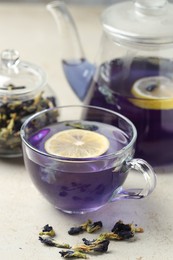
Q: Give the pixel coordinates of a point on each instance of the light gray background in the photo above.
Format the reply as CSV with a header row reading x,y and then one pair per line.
x,y
67,1
85,2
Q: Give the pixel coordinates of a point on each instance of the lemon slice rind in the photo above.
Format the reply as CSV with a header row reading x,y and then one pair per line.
x,y
77,143
161,99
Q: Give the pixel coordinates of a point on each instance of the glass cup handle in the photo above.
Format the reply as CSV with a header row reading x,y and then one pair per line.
x,y
142,167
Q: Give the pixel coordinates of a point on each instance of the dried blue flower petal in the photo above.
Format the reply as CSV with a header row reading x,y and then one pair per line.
x,y
94,226
88,242
75,230
79,229
48,241
102,246
95,246
88,226
47,230
72,254
125,231
79,125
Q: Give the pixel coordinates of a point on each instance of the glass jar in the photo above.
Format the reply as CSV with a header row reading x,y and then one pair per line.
x,y
23,92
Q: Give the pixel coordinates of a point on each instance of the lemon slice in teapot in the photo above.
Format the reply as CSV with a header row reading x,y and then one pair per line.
x,y
77,143
153,93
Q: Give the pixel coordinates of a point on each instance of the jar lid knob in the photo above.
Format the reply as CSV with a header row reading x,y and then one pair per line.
x,y
145,6
10,58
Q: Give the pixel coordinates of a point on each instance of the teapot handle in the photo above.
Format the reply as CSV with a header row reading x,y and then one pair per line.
x,y
141,167
78,71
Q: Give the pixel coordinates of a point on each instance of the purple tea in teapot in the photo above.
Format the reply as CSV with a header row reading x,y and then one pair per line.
x,y
133,74
131,93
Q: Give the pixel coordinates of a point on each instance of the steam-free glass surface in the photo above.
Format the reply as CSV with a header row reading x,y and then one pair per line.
x,y
23,92
80,185
136,48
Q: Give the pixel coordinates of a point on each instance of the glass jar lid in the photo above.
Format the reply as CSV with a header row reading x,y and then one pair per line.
x,y
18,78
140,21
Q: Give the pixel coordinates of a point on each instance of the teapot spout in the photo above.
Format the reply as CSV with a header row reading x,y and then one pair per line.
x,y
78,71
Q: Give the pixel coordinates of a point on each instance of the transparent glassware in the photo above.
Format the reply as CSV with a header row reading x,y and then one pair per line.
x,y
135,52
23,91
81,185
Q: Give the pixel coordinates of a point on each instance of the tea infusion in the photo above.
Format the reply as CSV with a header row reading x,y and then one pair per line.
x,y
112,89
71,187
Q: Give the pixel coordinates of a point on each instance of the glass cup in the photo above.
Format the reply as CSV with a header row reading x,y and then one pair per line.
x,y
80,185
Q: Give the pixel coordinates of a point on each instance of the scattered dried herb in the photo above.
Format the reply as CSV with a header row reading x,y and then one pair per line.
x,y
47,230
95,246
88,226
88,242
49,241
93,227
125,231
12,115
75,230
79,229
109,236
120,231
72,254
79,125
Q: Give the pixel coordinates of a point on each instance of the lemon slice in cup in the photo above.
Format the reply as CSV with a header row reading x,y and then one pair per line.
x,y
153,93
77,143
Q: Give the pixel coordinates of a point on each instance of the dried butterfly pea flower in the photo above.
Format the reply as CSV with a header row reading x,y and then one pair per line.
x,y
88,226
49,241
120,231
137,229
88,242
13,114
108,236
72,254
79,229
75,230
95,246
47,230
101,246
79,125
119,226
94,226
125,231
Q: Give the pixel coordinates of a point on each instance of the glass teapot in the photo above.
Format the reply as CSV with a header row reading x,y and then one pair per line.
x,y
133,74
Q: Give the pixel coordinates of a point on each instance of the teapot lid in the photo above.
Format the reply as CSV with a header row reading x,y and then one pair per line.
x,y
19,78
140,21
